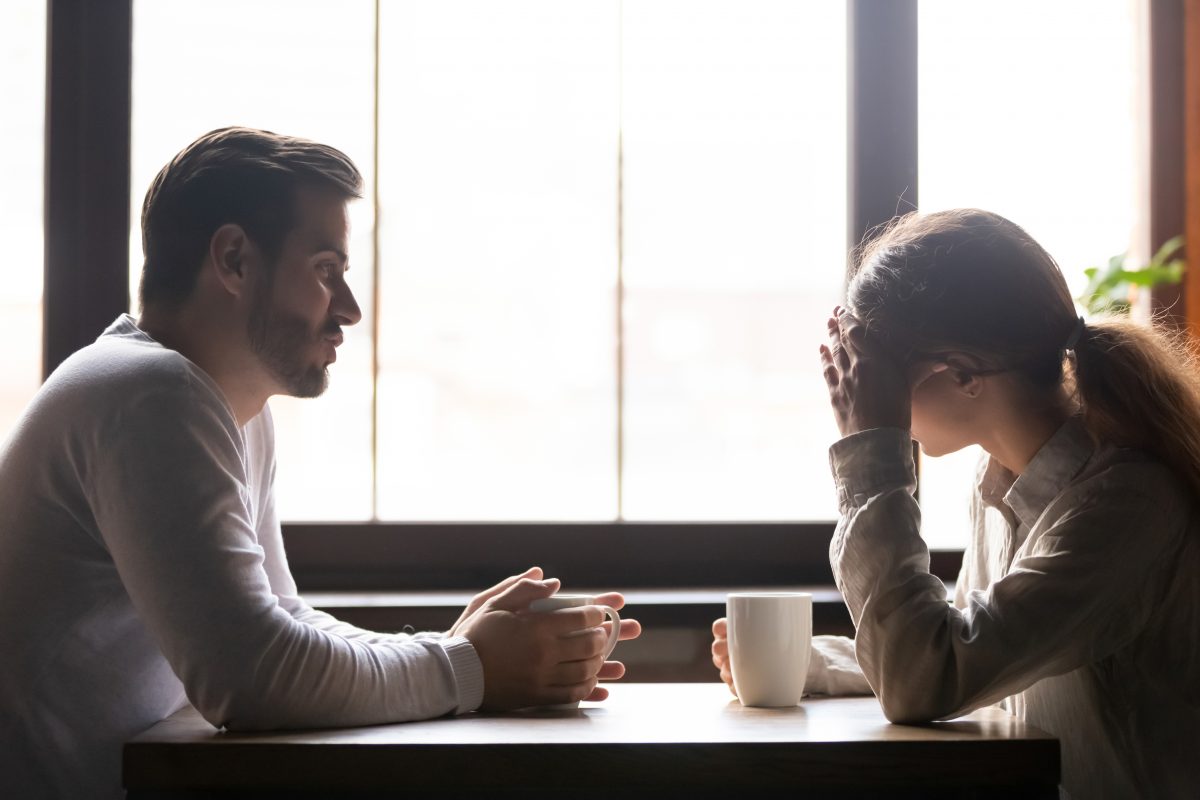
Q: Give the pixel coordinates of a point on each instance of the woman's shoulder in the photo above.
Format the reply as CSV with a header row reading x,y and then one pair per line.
x,y
1120,486
1130,471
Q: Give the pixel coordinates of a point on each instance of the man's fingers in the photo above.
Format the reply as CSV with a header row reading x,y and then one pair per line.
x,y
720,627
611,599
570,673
630,629
598,694
582,644
559,695
520,594
611,671
566,620
562,621
533,573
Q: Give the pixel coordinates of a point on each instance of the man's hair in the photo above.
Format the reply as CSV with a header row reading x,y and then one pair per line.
x,y
241,176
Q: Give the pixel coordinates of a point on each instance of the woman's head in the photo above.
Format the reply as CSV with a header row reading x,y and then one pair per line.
x,y
965,281
974,291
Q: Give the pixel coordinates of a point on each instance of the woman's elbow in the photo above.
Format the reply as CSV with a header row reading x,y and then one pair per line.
x,y
909,708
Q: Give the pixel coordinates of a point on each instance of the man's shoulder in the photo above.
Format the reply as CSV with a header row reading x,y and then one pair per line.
x,y
124,373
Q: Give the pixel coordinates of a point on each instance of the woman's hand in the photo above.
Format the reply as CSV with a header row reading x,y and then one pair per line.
x,y
720,652
867,388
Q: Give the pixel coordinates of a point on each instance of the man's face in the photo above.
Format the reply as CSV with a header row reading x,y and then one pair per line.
x,y
298,310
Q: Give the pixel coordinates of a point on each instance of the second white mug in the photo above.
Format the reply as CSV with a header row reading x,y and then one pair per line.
x,y
770,643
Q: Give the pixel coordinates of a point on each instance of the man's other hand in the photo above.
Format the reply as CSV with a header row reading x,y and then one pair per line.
x,y
533,659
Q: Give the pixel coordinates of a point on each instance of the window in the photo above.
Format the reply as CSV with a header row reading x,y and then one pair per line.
x,y
602,237
1027,109
23,42
734,121
606,245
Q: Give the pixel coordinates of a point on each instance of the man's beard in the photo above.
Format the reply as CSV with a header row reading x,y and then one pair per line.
x,y
281,341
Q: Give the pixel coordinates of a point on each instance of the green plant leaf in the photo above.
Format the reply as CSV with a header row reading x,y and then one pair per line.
x,y
1108,287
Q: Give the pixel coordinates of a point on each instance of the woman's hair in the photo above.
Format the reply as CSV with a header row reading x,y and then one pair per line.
x,y
972,282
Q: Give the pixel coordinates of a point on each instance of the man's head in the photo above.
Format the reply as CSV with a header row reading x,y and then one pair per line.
x,y
266,215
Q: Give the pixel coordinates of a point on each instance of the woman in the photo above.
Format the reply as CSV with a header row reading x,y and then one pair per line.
x,y
1078,604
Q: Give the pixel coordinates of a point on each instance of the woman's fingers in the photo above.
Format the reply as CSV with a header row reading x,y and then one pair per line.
x,y
727,677
720,650
837,350
828,370
852,334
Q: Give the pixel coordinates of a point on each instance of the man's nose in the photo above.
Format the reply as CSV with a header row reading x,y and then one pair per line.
x,y
345,308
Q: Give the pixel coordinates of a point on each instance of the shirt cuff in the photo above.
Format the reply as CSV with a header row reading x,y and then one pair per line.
x,y
468,672
870,462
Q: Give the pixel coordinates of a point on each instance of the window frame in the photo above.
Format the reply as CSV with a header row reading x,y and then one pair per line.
x,y
88,151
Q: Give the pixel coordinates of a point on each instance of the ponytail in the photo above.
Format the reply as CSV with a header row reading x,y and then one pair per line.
x,y
1138,386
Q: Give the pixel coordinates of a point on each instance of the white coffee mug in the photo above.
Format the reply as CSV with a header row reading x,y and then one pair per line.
x,y
770,643
555,602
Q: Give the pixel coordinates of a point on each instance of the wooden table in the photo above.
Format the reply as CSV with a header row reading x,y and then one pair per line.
x,y
646,739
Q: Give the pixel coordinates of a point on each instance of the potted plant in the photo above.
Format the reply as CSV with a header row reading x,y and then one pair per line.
x,y
1113,289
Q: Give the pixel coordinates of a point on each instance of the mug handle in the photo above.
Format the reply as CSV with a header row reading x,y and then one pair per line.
x,y
615,636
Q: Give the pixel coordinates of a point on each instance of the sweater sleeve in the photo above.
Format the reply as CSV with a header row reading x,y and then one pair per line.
x,y
171,495
1073,598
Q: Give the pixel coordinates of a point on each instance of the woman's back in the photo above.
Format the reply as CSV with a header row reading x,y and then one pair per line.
x,y
1129,718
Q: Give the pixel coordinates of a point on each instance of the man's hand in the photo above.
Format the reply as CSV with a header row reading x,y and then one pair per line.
x,y
720,652
630,629
866,388
544,658
533,573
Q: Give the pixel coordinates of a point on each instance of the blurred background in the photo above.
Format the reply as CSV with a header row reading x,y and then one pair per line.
x,y
600,238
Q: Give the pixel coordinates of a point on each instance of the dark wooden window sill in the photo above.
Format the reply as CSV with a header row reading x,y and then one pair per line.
x,y
468,557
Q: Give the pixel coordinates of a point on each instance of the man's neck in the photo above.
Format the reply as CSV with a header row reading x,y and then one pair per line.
x,y
220,350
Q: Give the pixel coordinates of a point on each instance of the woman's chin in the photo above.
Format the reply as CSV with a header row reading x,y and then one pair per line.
x,y
938,449
928,448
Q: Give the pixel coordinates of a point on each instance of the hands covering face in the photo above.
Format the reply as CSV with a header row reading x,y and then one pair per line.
x,y
868,388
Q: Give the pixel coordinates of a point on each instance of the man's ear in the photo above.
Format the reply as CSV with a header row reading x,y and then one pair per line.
x,y
229,249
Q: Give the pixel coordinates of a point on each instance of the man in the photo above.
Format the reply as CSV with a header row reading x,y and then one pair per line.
x,y
141,561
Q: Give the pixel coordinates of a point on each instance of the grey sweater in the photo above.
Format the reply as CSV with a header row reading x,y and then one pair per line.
x,y
142,566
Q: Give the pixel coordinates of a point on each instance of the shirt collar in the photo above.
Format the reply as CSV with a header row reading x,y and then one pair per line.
x,y
126,326
1049,472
